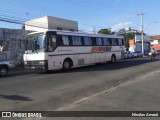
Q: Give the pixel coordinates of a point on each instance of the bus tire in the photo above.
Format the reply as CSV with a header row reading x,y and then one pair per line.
x,y
113,58
67,64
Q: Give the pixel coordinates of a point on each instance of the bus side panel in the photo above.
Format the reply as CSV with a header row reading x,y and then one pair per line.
x,y
88,59
117,51
99,57
78,59
54,62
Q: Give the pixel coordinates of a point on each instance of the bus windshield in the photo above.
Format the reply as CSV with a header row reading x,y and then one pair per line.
x,y
35,44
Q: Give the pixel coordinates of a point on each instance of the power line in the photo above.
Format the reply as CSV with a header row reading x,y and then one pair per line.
x,y
88,4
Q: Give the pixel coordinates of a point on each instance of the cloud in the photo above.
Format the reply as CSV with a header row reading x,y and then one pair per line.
x,y
89,30
119,26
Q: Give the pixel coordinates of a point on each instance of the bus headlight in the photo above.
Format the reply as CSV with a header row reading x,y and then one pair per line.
x,y
43,62
25,62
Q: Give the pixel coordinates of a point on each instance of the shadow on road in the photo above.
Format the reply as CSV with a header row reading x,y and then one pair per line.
x,y
15,97
107,66
121,64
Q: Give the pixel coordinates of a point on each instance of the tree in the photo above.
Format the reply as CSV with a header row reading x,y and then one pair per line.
x,y
127,37
106,31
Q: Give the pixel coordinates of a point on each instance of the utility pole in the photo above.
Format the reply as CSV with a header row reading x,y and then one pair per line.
x,y
94,30
27,14
141,14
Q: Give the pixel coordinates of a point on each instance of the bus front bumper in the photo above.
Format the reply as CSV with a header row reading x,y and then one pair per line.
x,y
36,65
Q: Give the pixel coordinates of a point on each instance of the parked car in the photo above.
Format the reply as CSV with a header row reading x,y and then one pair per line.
x,y
129,54
138,54
157,52
5,64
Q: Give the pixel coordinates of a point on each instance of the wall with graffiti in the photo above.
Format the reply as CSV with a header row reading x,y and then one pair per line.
x,y
13,41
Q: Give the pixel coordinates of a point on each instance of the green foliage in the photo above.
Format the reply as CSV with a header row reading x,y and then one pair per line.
x,y
106,31
127,37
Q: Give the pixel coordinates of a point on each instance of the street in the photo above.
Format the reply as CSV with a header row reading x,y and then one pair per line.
x,y
79,60
128,85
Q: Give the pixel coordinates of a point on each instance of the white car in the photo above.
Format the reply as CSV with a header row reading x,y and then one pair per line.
x,y
129,54
5,66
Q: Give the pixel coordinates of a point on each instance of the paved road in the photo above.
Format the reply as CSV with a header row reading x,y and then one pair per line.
x,y
141,94
58,90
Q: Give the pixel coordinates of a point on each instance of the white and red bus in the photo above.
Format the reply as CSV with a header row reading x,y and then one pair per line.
x,y
52,50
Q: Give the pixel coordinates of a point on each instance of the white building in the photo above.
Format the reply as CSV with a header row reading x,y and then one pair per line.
x,y
155,42
48,23
137,46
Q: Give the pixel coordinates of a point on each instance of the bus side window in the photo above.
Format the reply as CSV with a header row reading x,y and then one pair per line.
x,y
99,41
52,43
70,40
120,42
77,40
59,40
87,41
93,41
110,41
115,42
106,41
65,40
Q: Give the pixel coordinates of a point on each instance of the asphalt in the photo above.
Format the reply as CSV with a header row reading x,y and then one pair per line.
x,y
58,91
139,94
19,70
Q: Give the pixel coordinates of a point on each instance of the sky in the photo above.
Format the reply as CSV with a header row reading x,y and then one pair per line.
x,y
90,14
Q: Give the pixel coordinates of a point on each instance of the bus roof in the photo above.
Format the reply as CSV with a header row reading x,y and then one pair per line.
x,y
86,34
61,32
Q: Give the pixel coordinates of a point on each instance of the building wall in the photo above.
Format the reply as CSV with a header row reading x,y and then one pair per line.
x,y
145,38
39,24
49,23
138,44
13,41
155,42
54,23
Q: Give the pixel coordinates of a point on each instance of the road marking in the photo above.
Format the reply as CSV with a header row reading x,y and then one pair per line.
x,y
129,82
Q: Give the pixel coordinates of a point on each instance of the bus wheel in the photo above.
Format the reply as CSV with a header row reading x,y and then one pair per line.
x,y
113,59
66,65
